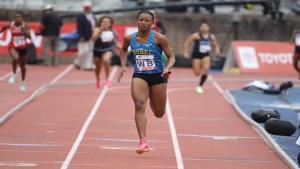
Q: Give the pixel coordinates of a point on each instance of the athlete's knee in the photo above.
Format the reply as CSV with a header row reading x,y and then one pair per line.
x,y
159,114
106,61
197,73
139,104
205,71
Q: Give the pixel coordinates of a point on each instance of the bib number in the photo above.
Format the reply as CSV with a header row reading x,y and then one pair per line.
x,y
145,62
297,40
107,36
19,41
204,48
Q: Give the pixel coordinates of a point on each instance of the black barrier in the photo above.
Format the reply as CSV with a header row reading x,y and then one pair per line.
x,y
32,55
280,127
174,5
262,115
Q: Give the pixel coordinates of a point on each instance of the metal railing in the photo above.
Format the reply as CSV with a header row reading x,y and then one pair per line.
x,y
76,5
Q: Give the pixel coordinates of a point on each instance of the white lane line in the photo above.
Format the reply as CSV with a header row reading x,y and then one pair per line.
x,y
35,94
8,74
64,72
88,121
173,130
218,87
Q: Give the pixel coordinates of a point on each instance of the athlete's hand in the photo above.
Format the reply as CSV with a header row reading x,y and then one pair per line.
x,y
218,54
123,70
166,73
186,55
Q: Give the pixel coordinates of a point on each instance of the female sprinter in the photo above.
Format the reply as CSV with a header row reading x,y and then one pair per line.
x,y
296,39
200,56
18,46
150,76
105,41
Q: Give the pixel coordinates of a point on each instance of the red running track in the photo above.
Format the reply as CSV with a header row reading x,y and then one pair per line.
x,y
82,127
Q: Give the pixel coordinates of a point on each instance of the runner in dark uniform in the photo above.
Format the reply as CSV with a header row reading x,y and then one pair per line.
x,y
150,74
203,40
105,41
18,46
296,40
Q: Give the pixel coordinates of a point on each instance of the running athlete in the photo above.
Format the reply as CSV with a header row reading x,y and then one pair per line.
x,y
149,79
296,39
203,40
105,41
18,46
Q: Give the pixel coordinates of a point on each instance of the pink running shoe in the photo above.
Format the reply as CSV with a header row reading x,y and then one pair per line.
x,y
98,84
108,82
144,147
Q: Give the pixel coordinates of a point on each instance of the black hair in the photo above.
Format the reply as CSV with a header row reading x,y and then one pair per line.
x,y
20,13
145,12
204,23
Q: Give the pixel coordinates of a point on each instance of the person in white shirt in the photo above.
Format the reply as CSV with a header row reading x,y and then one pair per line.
x,y
86,22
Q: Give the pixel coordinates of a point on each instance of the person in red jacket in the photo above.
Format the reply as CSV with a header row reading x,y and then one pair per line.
x,y
157,25
20,31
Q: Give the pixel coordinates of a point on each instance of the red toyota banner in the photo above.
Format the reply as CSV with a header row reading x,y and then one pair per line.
x,y
68,37
261,57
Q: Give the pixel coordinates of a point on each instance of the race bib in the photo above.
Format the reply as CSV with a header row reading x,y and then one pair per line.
x,y
297,40
19,41
107,36
145,62
204,48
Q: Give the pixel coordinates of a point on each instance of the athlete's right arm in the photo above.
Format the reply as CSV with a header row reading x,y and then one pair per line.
x,y
123,56
192,38
4,28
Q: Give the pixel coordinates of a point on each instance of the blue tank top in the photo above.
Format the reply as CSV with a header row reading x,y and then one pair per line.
x,y
202,45
147,56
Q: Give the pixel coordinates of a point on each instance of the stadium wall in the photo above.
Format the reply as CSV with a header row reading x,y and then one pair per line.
x,y
180,25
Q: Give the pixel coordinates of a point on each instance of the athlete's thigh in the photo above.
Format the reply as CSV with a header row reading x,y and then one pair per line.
x,y
139,90
13,53
205,63
106,56
196,63
158,97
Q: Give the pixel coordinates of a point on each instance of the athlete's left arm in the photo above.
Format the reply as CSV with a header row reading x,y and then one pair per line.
x,y
116,41
26,30
293,37
162,41
215,45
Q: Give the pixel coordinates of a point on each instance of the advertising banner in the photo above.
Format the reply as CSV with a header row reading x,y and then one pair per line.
x,y
261,57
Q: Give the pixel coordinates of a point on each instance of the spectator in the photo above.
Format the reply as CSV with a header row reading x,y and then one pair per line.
x,y
50,29
157,25
86,22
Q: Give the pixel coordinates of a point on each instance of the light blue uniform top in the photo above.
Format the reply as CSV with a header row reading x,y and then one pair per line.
x,y
147,56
